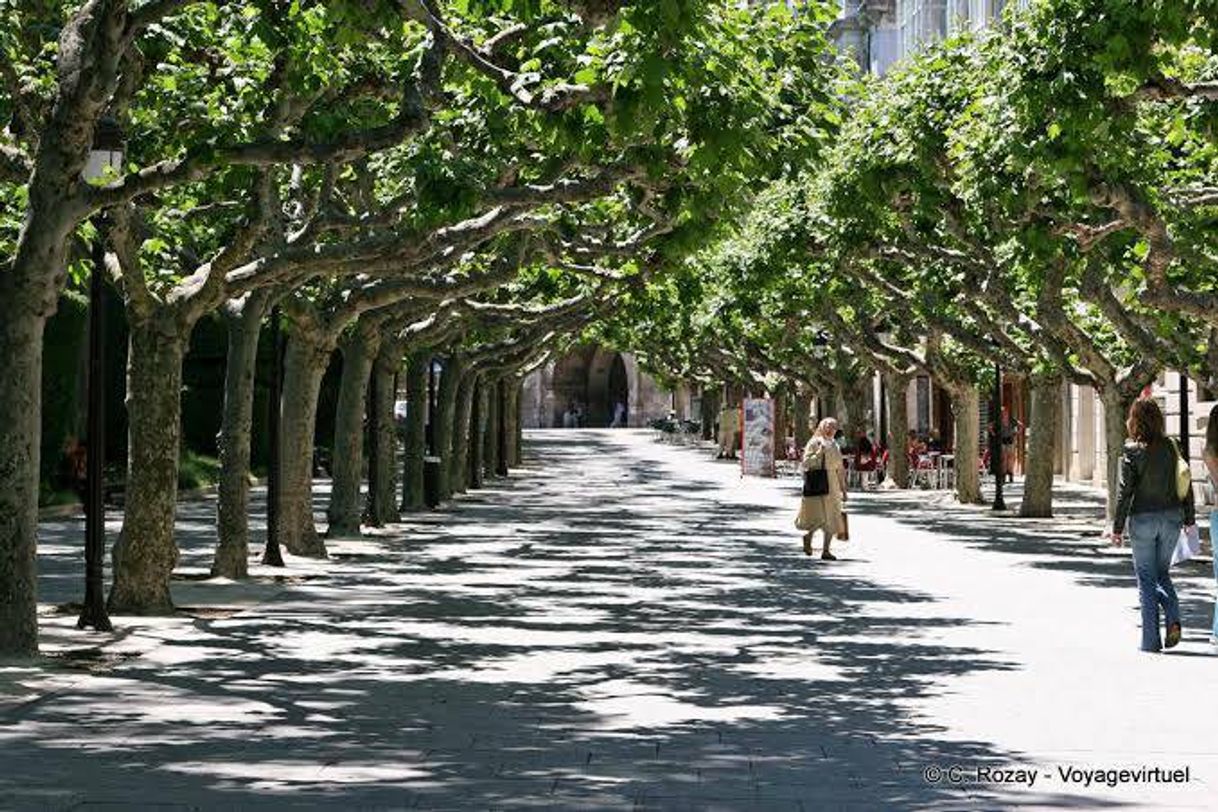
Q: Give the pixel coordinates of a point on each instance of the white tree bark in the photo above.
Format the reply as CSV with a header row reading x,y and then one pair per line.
x,y
462,430
966,407
1042,444
244,321
1116,409
145,553
382,506
304,367
898,430
347,467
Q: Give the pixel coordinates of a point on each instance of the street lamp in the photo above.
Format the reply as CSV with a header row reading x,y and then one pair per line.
x,y
272,554
996,461
105,161
429,429
374,444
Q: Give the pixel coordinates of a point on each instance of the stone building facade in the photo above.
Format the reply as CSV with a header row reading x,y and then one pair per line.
x,y
593,380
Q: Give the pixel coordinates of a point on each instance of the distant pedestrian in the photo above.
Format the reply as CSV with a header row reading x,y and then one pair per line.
x,y
1210,455
619,415
935,443
823,512
1009,429
1155,512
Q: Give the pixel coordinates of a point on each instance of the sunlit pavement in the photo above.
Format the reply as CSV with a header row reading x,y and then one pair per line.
x,y
626,625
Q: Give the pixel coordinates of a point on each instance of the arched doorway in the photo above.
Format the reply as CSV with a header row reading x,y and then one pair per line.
x,y
593,380
619,392
570,384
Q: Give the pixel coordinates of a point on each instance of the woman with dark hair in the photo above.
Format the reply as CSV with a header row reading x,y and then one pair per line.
x,y
1155,512
1210,455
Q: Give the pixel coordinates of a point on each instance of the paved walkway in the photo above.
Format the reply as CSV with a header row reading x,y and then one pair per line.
x,y
624,625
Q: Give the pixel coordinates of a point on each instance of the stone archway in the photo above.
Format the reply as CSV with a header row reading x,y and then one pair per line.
x,y
569,384
594,379
608,385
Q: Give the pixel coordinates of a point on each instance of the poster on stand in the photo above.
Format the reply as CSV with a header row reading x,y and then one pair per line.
x,y
757,437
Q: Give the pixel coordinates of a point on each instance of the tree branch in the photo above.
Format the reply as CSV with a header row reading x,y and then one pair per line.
x,y
1165,88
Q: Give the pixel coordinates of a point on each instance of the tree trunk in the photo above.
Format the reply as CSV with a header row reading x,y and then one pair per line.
x,y
780,424
898,429
462,431
442,425
1116,408
1042,444
382,501
511,423
416,431
305,363
502,427
490,437
244,321
710,413
145,553
347,460
518,419
966,407
20,431
803,419
828,406
477,434
854,397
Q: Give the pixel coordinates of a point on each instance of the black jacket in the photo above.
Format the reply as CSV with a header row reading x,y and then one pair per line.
x,y
1148,483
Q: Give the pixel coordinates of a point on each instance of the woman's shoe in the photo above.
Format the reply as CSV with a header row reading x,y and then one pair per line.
x,y
807,544
1173,635
828,556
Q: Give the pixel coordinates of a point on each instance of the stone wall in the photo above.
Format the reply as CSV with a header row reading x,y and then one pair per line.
x,y
583,376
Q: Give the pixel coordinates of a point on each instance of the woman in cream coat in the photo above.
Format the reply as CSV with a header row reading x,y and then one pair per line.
x,y
823,513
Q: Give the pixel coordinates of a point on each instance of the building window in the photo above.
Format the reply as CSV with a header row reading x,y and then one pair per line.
x,y
921,22
959,15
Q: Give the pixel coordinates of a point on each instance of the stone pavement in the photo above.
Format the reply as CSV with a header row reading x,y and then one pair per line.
x,y
624,625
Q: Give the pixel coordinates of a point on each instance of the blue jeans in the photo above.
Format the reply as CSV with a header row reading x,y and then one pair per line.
x,y
1152,537
1213,541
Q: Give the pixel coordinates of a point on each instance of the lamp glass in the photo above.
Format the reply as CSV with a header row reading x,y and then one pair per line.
x,y
103,165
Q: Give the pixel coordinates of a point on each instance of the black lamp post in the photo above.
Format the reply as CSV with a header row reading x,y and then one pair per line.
x,y
105,161
272,555
996,461
429,430
374,444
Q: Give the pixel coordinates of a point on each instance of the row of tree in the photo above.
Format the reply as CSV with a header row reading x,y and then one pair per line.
x,y
1043,195
471,180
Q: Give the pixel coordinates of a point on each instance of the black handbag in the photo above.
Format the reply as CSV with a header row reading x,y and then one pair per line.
x,y
816,481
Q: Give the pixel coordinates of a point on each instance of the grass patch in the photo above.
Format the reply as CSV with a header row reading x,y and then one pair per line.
x,y
48,496
197,471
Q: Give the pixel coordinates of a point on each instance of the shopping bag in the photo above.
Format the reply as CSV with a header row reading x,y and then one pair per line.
x,y
816,482
844,533
1187,545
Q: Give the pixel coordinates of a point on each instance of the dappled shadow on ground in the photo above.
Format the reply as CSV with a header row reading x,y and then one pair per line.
x,y
601,631
1071,542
